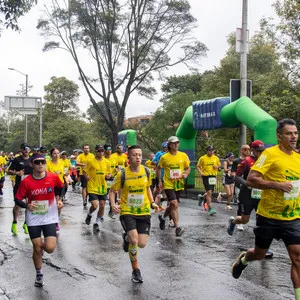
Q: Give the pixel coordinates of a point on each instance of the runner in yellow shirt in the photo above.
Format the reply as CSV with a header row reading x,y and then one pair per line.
x,y
120,156
277,174
82,161
56,166
67,168
96,173
176,165
2,173
208,166
134,208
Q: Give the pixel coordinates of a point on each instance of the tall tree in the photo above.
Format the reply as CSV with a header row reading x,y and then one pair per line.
x,y
129,44
61,99
286,36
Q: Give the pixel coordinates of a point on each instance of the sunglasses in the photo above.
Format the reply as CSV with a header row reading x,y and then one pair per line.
x,y
26,148
108,148
100,150
38,162
64,154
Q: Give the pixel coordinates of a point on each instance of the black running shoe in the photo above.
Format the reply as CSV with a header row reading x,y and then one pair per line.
x,y
85,203
238,266
96,227
136,276
125,242
179,231
88,220
39,280
269,254
162,222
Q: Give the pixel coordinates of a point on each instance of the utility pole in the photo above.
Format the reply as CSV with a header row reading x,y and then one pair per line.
x,y
243,67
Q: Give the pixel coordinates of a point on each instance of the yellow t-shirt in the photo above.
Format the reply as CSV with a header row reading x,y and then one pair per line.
x,y
206,164
113,165
56,168
96,170
134,198
84,159
275,165
151,167
174,165
67,165
2,164
121,159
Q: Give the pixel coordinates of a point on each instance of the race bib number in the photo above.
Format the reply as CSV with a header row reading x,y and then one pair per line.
x,y
42,207
135,200
294,193
109,183
212,180
255,193
175,174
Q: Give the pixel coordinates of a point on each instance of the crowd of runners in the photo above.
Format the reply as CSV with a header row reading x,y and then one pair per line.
x,y
266,180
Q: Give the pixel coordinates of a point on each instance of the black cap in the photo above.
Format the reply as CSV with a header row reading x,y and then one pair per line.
x,y
25,145
42,149
99,146
210,148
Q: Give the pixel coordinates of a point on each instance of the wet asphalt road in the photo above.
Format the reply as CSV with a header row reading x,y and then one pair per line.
x,y
87,265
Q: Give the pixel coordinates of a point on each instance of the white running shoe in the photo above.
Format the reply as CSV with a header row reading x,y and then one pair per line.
x,y
240,227
228,207
219,198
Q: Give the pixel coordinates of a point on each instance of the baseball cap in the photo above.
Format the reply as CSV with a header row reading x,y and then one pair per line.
x,y
37,156
229,154
24,146
63,152
173,139
164,144
99,147
258,145
210,148
43,149
107,147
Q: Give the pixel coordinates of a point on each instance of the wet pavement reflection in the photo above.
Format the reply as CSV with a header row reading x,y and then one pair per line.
x,y
88,265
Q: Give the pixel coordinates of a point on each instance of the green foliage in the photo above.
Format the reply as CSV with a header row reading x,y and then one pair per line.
x,y
60,100
12,10
129,45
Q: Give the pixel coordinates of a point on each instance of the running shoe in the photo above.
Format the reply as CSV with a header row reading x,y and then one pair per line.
x,y
200,199
39,280
57,227
228,207
211,211
25,228
219,198
14,228
269,254
162,222
205,206
88,219
96,227
171,223
125,242
240,227
179,231
231,226
136,276
1,192
111,215
85,203
238,266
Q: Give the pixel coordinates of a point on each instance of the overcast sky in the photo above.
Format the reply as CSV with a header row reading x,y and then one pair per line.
x,y
23,51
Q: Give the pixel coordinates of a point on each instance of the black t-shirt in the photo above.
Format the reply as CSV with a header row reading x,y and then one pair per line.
x,y
236,164
18,164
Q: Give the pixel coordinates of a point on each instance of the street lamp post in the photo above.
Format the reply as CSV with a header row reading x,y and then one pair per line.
x,y
26,94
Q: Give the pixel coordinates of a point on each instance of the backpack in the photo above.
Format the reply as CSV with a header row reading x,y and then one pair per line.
x,y
123,175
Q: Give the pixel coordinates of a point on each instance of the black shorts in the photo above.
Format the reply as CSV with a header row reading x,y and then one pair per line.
x,y
36,231
268,229
93,197
228,180
247,202
173,195
83,181
141,223
207,186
